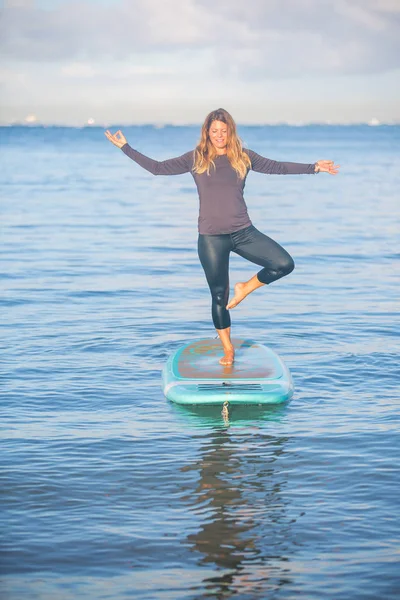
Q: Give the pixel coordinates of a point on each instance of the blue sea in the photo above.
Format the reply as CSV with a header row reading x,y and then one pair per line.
x,y
109,491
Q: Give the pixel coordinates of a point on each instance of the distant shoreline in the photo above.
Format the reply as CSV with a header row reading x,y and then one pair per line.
x,y
189,125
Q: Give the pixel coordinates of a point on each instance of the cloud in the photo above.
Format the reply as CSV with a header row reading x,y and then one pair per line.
x,y
257,38
298,37
83,30
81,70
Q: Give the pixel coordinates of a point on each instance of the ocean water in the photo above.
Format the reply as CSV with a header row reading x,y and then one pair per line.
x,y
108,491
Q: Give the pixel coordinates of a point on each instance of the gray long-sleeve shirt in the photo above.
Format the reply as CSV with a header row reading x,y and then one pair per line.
x,y
222,205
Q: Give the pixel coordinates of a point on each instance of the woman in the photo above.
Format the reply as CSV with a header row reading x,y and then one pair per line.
x,y
219,166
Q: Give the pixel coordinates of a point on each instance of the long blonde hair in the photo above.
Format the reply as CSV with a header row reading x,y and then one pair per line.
x,y
205,151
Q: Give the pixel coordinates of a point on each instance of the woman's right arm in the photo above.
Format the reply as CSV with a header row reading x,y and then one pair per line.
x,y
172,166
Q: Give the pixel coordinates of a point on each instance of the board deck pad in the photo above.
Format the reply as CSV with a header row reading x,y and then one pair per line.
x,y
201,360
193,375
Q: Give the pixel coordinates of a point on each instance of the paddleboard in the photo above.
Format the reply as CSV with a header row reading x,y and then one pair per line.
x,y
193,375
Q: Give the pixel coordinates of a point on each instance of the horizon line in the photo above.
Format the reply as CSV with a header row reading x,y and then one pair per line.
x,y
161,125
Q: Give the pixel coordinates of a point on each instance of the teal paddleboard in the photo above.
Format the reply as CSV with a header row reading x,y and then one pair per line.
x,y
193,375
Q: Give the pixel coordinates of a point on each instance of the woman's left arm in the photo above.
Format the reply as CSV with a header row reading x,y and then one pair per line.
x,y
260,164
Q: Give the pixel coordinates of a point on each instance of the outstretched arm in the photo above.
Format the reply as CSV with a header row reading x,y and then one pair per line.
x,y
172,166
260,164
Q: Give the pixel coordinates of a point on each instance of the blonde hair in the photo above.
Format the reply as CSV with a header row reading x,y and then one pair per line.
x,y
205,151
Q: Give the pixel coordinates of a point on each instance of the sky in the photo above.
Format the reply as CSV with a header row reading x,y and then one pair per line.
x,y
107,62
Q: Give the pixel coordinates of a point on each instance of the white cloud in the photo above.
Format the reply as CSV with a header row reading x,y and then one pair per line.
x,y
274,37
78,70
121,71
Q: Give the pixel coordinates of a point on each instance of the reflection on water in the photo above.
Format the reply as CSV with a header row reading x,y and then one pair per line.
x,y
211,416
246,529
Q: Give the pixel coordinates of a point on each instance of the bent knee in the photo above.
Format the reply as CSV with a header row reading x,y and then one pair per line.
x,y
289,266
286,267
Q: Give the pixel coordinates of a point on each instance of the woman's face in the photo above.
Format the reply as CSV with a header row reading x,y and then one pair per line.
x,y
218,133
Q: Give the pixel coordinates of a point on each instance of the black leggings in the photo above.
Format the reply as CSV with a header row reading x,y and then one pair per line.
x,y
250,243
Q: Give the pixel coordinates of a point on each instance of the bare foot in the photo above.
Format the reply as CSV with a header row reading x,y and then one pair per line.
x,y
228,358
239,295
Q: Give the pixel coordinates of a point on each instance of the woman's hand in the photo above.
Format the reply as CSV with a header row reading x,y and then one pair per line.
x,y
118,139
326,166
